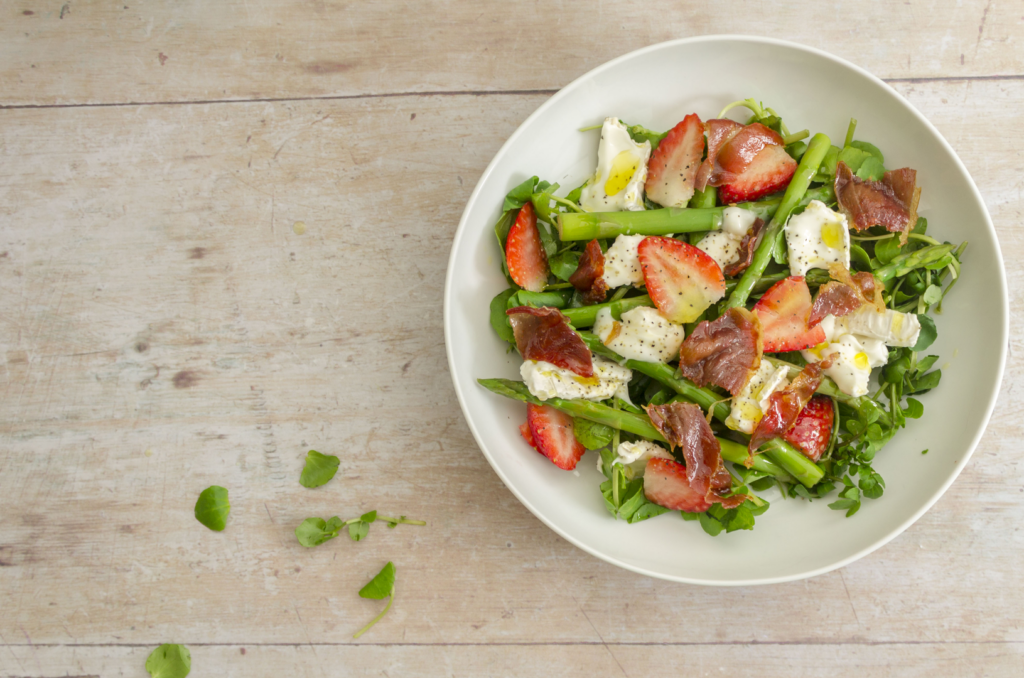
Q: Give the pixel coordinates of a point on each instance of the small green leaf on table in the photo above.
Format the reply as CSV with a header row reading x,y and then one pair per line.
x,y
169,661
319,469
212,507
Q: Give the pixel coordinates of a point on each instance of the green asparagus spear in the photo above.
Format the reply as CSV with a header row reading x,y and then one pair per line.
x,y
590,225
778,451
933,257
795,194
585,316
639,424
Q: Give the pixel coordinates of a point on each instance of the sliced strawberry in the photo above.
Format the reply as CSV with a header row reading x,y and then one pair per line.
x,y
524,430
769,171
673,166
812,429
783,312
666,485
552,435
524,252
681,279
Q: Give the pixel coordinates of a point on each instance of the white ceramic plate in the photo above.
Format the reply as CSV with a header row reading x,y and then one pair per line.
x,y
656,87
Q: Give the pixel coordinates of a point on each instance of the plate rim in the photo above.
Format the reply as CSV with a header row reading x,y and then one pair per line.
x,y
462,229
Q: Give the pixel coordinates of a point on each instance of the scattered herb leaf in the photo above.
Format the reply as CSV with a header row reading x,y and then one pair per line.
x,y
212,507
169,661
380,587
319,469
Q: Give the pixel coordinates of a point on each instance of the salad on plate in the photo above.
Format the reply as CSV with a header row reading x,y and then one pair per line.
x,y
722,309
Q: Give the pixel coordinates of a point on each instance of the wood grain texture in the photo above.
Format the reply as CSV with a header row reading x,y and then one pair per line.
x,y
164,326
79,51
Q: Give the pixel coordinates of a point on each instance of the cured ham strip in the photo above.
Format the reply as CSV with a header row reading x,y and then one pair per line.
x,y
684,426
739,151
724,352
666,484
588,277
845,294
544,334
891,202
719,132
747,248
785,406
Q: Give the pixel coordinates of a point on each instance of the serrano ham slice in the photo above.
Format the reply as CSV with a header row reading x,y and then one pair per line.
x,y
845,294
588,277
544,334
785,406
719,132
724,352
891,202
684,426
747,248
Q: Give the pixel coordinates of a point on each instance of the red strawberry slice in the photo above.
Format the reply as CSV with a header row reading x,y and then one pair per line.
x,y
783,312
665,484
812,430
672,168
681,279
550,433
524,252
769,171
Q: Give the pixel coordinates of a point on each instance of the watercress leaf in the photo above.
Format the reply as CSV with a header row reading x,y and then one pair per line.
x,y
932,295
927,382
368,517
607,457
827,168
711,525
315,531
925,363
592,435
319,469
687,516
648,510
858,255
574,194
871,483
871,169
640,134
914,409
564,264
802,491
519,195
853,157
549,239
381,586
853,426
869,148
740,518
212,507
887,249
920,227
756,509
169,661
499,321
358,531
928,333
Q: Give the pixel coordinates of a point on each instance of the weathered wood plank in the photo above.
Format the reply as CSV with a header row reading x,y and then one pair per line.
x,y
86,51
922,660
164,327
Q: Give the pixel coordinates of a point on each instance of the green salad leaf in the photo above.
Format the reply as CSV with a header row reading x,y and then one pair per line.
x,y
212,507
380,587
319,469
169,661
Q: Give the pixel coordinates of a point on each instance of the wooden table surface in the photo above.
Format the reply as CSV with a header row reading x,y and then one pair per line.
x,y
223,234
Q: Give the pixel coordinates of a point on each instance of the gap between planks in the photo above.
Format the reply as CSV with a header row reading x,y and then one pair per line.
x,y
438,93
582,643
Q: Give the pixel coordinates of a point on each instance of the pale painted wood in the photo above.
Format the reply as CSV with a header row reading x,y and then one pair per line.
x,y
163,327
87,51
598,660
